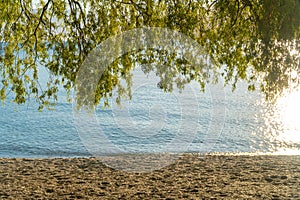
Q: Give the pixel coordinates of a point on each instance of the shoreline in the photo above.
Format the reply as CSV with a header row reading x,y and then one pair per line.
x,y
280,152
191,176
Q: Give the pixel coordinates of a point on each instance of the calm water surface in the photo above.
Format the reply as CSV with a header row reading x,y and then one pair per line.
x,y
221,120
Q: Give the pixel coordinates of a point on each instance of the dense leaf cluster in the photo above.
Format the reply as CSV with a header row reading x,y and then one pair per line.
x,y
257,41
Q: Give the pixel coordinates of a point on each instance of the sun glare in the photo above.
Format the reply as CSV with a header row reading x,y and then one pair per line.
x,y
289,115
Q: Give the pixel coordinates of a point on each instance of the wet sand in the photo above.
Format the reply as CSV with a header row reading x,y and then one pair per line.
x,y
189,177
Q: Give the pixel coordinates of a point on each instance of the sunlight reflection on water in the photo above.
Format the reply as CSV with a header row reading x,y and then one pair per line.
x,y
289,107
282,124
251,126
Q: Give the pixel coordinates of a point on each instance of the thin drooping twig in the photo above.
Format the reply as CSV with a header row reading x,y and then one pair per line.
x,y
41,16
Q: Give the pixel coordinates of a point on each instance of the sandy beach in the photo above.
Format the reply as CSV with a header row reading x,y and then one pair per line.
x,y
189,177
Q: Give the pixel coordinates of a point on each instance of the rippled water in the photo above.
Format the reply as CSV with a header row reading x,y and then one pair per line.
x,y
221,120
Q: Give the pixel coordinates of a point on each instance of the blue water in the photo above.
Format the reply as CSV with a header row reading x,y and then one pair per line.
x,y
221,120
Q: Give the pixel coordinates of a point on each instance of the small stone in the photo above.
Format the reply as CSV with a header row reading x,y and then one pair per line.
x,y
194,190
49,190
105,183
269,179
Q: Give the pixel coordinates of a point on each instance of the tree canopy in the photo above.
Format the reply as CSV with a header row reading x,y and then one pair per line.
x,y
256,41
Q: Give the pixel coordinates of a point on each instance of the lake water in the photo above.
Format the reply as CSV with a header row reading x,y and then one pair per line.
x,y
215,121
